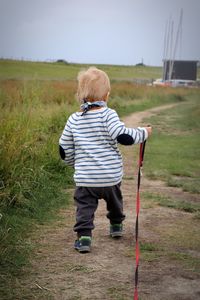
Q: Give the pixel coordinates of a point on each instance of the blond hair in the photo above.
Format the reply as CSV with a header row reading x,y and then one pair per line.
x,y
93,85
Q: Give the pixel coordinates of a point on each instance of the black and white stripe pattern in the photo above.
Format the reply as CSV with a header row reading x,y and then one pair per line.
x,y
90,145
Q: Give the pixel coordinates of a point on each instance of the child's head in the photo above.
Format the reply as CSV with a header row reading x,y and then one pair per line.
x,y
93,85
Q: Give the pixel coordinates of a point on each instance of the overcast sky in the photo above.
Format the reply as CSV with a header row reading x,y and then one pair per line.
x,y
97,31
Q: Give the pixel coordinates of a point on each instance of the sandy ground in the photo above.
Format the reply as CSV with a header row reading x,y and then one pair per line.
x,y
59,272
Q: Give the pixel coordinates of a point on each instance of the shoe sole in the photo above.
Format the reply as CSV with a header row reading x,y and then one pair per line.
x,y
83,249
116,234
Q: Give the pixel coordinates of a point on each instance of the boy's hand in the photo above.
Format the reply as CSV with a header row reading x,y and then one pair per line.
x,y
149,130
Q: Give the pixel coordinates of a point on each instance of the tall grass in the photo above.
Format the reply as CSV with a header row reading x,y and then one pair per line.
x,y
33,178
128,97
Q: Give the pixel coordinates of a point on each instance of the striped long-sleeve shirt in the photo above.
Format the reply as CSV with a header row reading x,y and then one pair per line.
x,y
89,143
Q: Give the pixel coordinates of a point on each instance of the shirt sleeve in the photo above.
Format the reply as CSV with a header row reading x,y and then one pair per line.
x,y
66,144
116,128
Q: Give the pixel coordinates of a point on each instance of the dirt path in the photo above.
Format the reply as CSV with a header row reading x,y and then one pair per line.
x,y
59,272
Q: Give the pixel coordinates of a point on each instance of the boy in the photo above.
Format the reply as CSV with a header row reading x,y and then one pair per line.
x,y
89,144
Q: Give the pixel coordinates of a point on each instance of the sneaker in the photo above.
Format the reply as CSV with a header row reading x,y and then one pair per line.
x,y
116,230
83,244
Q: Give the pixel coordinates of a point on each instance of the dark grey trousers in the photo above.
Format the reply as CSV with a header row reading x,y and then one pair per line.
x,y
86,199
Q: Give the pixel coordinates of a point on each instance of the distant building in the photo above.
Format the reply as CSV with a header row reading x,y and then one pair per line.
x,y
180,69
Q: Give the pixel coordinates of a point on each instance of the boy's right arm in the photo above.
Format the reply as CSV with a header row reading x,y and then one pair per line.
x,y
124,135
66,145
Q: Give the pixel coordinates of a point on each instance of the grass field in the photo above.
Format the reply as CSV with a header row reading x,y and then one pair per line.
x,y
36,99
25,70
174,154
61,71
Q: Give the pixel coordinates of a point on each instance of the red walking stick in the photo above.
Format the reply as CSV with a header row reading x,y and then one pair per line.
x,y
137,249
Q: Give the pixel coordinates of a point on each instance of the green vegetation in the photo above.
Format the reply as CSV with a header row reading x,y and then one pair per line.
x,y
14,69
117,293
173,153
127,98
60,71
33,179
178,243
33,112
172,203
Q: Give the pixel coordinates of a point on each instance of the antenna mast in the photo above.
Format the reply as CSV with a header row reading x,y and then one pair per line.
x,y
169,52
178,36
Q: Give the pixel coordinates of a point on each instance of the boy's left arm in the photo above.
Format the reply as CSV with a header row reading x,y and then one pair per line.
x,y
66,145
